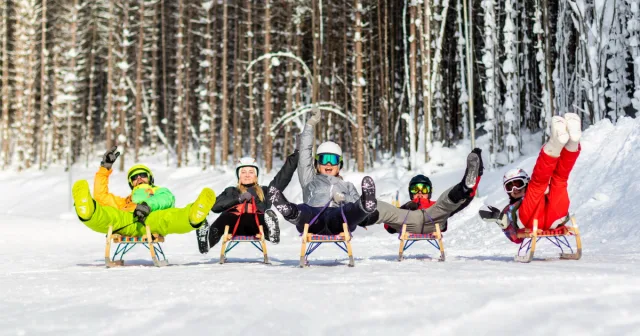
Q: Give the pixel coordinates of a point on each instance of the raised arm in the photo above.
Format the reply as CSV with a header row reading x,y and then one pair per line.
x,y
306,171
283,177
101,190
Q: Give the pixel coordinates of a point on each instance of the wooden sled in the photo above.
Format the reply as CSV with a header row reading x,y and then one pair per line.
x,y
407,239
557,237
342,240
257,241
126,243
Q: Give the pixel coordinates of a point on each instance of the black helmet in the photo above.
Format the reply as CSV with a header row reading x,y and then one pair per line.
x,y
420,179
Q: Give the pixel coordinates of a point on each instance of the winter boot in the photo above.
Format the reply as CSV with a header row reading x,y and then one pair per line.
x,y
82,200
202,234
368,198
288,210
272,229
201,207
213,237
559,137
574,127
471,172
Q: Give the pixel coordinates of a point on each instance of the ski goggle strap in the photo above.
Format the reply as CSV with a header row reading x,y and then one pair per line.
x,y
515,184
420,187
326,159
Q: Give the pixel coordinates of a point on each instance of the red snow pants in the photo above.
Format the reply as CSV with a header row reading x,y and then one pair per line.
x,y
553,173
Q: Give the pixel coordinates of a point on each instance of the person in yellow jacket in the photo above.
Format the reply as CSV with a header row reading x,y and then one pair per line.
x,y
148,204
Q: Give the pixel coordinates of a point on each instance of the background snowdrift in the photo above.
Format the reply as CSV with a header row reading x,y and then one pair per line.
x,y
53,280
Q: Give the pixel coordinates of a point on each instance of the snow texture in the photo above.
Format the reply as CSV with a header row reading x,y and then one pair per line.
x,y
53,280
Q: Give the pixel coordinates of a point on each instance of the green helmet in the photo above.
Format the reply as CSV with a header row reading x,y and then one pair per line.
x,y
137,169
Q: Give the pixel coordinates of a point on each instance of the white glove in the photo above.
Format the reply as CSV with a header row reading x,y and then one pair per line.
x,y
493,214
315,117
338,197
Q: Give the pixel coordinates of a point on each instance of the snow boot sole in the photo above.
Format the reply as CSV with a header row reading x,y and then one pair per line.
x,y
82,200
288,210
271,220
201,207
368,197
202,234
471,173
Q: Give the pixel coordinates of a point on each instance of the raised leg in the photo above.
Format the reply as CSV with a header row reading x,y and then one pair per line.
x,y
347,241
223,248
303,249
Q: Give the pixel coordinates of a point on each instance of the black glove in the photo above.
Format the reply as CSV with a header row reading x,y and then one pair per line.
x,y
110,157
478,151
411,206
141,212
245,196
490,215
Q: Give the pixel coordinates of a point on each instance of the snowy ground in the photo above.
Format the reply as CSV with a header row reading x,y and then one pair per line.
x,y
53,280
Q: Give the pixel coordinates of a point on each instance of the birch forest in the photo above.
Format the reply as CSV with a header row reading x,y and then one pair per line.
x,y
202,83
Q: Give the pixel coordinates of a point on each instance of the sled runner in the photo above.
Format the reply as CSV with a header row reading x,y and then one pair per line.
x,y
557,237
342,240
126,243
408,239
232,240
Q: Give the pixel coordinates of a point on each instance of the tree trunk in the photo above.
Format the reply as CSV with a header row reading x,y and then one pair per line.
x,y
253,149
180,66
266,142
358,87
138,134
110,70
213,81
224,123
44,102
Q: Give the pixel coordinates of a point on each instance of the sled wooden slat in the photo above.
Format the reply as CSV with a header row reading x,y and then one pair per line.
x,y
230,238
434,239
311,238
148,240
560,235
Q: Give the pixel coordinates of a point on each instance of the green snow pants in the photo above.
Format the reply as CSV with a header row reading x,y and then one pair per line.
x,y
162,222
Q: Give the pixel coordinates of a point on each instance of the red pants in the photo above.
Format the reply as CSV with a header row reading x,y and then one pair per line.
x,y
553,173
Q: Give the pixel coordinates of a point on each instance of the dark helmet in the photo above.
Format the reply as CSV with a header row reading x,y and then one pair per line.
x,y
420,179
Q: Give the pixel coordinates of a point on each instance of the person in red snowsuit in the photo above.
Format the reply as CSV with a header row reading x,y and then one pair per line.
x,y
544,196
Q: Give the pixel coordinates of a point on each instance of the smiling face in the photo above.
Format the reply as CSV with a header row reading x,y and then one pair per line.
x,y
248,175
138,179
328,169
421,195
517,193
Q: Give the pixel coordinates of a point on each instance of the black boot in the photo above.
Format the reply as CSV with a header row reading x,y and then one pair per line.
x,y
288,210
272,230
368,198
202,234
472,172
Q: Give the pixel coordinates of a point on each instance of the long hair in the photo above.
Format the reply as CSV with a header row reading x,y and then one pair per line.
x,y
256,187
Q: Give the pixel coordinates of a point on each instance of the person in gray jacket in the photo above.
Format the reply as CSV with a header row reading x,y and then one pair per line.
x,y
323,187
322,184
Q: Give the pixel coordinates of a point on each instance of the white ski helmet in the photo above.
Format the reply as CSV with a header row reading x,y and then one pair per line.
x,y
329,147
515,174
247,162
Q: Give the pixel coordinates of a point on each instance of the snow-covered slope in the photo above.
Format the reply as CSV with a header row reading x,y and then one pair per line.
x,y
52,279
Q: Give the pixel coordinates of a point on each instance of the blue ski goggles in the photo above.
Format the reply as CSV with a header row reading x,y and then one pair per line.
x,y
328,159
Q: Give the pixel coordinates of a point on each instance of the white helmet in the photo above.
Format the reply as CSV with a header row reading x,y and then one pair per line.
x,y
246,162
515,174
329,147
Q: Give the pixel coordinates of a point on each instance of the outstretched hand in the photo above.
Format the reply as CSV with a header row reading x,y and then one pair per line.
x,y
491,214
315,117
110,157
